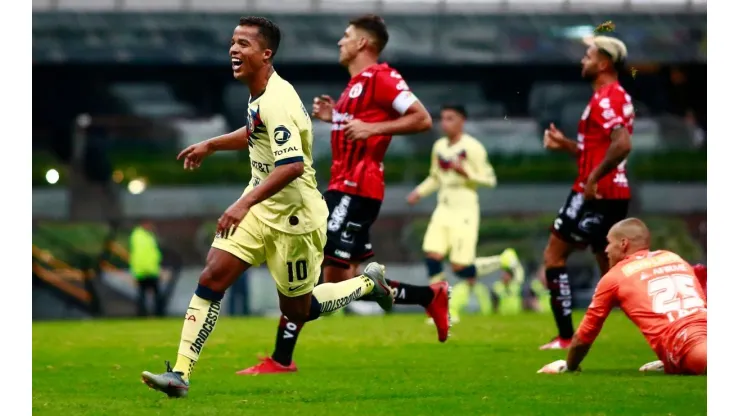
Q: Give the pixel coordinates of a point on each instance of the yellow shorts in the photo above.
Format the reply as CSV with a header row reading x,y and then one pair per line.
x,y
294,260
454,234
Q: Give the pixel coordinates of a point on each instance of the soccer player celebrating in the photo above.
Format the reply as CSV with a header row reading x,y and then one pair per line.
x,y
658,291
459,166
375,105
281,217
600,195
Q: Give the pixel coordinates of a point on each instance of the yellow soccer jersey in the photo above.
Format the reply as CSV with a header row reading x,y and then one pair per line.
x,y
455,190
281,133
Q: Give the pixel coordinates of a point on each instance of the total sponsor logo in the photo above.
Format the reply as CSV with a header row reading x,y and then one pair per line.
x,y
281,152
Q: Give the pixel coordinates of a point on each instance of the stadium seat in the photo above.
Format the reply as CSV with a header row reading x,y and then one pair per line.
x,y
434,95
150,100
569,117
646,134
507,135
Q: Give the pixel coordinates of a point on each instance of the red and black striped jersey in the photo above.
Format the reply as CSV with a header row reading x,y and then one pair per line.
x,y
610,108
377,94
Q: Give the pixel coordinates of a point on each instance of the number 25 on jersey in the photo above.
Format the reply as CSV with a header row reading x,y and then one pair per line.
x,y
675,296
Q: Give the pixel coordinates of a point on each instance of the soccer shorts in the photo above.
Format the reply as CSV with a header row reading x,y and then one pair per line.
x,y
454,234
348,227
586,223
294,260
687,351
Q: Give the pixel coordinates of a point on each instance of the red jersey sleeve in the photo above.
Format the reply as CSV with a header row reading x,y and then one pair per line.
x,y
605,298
392,93
614,111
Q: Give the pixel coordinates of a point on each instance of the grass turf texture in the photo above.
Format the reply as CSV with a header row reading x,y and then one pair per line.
x,y
388,365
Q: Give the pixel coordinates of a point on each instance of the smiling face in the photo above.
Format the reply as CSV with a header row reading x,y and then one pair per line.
x,y
248,51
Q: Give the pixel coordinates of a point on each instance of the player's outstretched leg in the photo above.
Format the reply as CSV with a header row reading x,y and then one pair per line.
x,y
327,298
221,271
435,299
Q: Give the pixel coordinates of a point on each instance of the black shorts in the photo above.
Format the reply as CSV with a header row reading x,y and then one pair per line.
x,y
348,227
586,223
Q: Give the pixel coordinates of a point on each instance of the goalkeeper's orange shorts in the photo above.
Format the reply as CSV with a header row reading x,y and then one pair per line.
x,y
689,352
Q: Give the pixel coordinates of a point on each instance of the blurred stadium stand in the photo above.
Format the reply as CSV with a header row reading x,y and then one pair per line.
x,y
121,85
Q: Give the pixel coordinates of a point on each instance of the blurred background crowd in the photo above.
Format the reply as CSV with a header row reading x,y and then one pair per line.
x,y
120,86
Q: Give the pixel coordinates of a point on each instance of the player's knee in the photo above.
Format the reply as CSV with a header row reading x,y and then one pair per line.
x,y
333,274
354,270
297,316
211,278
553,257
295,310
336,264
434,265
697,359
465,272
435,256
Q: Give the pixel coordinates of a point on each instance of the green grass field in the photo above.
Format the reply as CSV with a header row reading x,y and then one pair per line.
x,y
389,365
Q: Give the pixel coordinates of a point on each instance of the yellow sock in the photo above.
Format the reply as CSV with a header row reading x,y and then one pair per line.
x,y
487,265
437,278
334,296
200,320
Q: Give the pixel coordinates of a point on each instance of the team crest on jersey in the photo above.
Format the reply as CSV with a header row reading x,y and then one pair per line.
x,y
282,135
355,91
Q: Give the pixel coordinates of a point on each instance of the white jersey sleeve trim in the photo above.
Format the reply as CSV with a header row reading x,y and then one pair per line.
x,y
403,101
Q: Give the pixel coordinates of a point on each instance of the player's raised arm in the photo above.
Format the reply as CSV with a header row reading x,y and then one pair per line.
x,y
236,140
554,139
480,170
194,154
322,108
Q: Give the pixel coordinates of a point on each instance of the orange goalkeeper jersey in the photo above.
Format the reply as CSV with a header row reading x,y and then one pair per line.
x,y
657,290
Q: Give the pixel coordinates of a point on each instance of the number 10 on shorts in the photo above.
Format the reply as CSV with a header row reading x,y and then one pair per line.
x,y
297,271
